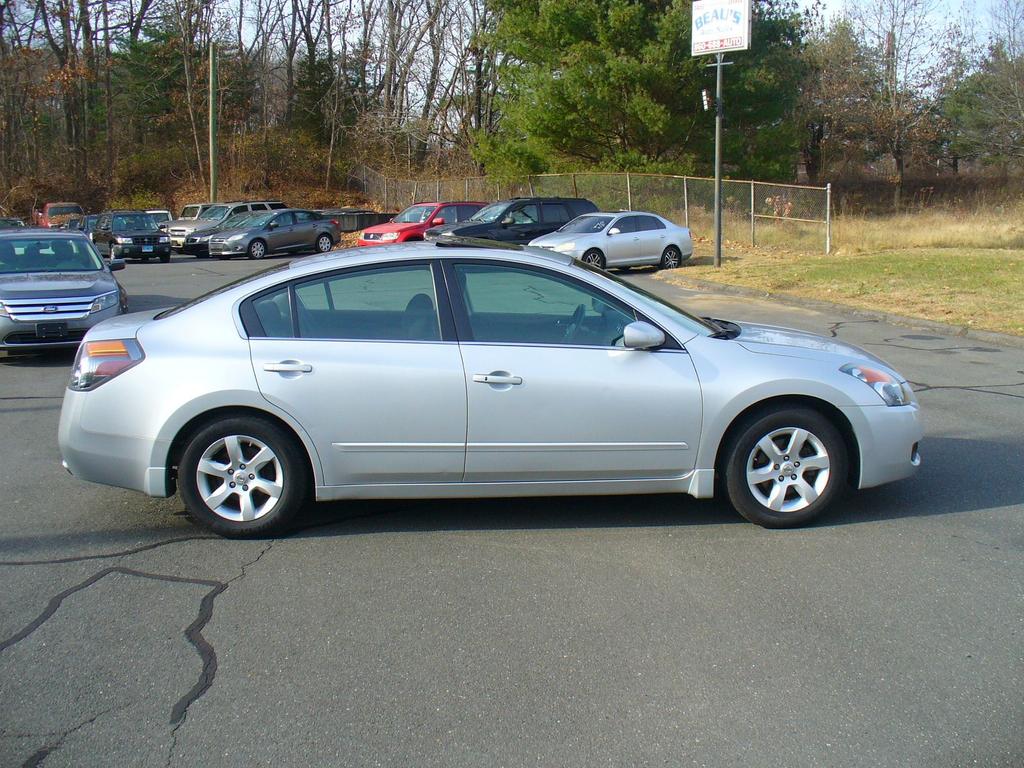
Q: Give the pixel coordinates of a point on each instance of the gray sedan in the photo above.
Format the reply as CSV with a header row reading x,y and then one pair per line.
x,y
621,240
53,287
262,234
445,370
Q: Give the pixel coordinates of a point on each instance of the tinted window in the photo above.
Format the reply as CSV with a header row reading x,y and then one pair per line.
x,y
465,211
239,209
492,212
124,222
448,213
277,206
258,207
47,254
284,219
63,210
190,211
626,224
301,216
555,213
524,214
587,224
386,304
274,314
525,306
647,223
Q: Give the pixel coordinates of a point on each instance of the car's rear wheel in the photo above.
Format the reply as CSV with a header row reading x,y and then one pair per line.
x,y
257,249
671,258
243,477
786,467
594,258
324,243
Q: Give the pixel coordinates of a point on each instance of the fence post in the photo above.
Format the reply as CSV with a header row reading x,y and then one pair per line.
x,y
686,204
497,185
529,180
415,191
437,183
575,193
385,194
828,218
629,193
752,241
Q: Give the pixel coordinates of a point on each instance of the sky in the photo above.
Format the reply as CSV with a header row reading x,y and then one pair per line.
x,y
948,9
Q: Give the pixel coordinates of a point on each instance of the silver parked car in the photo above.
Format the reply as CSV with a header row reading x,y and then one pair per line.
x,y
621,240
54,287
262,234
444,370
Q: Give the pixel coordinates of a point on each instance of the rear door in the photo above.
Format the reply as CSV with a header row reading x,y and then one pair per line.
x,y
366,363
651,242
554,216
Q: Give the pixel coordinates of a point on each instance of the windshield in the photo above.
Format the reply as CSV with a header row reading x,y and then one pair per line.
x,y
215,212
64,210
587,224
222,289
490,213
190,211
126,222
5,223
647,300
239,218
48,254
414,214
159,216
258,219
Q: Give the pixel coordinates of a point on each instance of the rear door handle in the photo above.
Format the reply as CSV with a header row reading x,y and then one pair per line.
x,y
496,378
288,366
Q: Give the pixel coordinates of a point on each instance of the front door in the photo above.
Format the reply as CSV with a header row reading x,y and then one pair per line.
x,y
623,245
281,232
369,375
552,393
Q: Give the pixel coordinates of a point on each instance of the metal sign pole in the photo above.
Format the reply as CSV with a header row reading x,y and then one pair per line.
x,y
718,161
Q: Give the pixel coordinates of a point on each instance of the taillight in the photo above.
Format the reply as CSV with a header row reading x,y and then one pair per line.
x,y
100,361
335,222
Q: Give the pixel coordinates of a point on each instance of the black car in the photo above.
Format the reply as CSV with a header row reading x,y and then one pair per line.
x,y
131,235
519,220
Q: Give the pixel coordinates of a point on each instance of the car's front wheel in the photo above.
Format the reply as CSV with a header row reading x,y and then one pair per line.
x,y
243,477
257,249
786,467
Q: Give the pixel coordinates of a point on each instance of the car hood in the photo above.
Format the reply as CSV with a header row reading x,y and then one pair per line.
x,y
560,238
775,340
189,223
391,226
55,285
461,229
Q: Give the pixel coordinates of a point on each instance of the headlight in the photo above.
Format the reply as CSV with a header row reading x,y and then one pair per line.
x,y
164,239
3,310
891,390
100,361
389,236
106,301
235,238
122,240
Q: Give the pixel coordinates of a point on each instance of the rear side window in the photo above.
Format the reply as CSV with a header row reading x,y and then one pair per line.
x,y
304,216
626,224
647,223
277,206
258,206
239,209
274,314
465,211
555,213
382,304
448,213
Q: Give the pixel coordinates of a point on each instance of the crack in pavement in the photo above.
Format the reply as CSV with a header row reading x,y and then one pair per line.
x,y
36,758
985,389
109,555
833,329
941,350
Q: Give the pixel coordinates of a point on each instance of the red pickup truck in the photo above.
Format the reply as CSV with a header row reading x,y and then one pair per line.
x,y
56,214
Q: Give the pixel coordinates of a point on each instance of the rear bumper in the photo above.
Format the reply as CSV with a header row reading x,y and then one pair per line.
x,y
888,440
116,460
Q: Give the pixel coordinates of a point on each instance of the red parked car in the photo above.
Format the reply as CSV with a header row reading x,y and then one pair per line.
x,y
411,223
56,214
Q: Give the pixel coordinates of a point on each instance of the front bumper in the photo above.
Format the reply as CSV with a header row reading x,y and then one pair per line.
x,y
139,251
22,335
226,250
888,439
201,248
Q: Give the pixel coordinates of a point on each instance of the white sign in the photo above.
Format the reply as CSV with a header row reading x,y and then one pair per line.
x,y
720,26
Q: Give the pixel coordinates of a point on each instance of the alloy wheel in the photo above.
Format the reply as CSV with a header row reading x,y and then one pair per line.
x,y
788,469
239,478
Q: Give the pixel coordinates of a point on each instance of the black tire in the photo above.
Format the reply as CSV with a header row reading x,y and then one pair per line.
x,y
291,473
743,451
594,257
671,257
321,240
165,259
257,249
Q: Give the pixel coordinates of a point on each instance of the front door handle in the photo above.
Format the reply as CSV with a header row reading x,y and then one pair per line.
x,y
496,378
288,366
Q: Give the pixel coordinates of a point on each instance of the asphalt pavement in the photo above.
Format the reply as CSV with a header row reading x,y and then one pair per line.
x,y
646,630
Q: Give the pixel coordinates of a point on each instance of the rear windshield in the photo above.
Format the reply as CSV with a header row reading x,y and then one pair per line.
x,y
64,210
47,254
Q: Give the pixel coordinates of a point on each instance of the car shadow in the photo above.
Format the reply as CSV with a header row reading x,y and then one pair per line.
x,y
957,475
45,358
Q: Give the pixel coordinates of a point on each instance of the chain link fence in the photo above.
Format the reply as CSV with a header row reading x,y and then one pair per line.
x,y
753,212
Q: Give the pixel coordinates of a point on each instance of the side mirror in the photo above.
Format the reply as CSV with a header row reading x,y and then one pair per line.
x,y
613,231
641,335
271,225
507,220
116,264
437,222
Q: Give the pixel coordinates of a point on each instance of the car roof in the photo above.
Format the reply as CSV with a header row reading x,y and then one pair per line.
x,y
21,232
446,202
449,248
241,202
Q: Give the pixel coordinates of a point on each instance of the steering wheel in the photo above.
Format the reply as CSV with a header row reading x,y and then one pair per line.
x,y
574,322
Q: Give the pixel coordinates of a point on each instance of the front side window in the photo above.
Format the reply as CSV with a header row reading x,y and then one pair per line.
x,y
626,224
284,219
382,304
519,305
47,254
526,214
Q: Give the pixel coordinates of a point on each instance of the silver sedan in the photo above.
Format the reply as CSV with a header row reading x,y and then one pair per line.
x,y
621,240
428,370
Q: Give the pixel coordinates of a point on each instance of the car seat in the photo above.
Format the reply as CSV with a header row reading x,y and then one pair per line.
x,y
419,321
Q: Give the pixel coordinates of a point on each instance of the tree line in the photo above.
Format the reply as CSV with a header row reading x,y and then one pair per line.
x,y
107,98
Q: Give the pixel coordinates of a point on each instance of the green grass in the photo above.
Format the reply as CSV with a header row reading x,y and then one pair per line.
x,y
972,287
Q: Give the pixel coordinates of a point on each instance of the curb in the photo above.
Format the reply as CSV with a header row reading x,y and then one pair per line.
x,y
962,332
